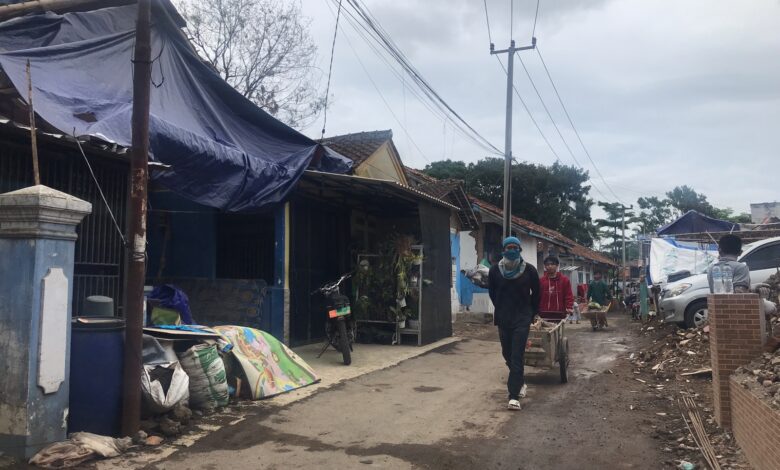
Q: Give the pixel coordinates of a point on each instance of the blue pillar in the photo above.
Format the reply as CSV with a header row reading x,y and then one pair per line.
x,y
37,244
280,291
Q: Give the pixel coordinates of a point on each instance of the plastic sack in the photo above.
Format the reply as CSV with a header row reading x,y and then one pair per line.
x,y
208,380
164,386
478,275
81,446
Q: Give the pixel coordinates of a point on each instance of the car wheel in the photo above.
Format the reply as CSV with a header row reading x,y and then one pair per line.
x,y
696,314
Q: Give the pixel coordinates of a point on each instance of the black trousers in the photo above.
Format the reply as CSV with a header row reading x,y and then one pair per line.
x,y
513,341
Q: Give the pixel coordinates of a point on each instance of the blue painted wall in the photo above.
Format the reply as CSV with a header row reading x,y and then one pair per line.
x,y
25,263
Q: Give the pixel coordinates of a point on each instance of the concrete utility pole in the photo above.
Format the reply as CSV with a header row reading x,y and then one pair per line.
x,y
136,250
508,131
623,238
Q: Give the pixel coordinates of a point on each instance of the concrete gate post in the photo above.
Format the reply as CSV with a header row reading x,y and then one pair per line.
x,y
37,244
735,339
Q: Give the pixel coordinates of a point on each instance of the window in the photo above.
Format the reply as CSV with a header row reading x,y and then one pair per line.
x,y
766,257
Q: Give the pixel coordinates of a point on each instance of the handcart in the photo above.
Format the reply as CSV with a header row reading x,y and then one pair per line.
x,y
548,345
597,317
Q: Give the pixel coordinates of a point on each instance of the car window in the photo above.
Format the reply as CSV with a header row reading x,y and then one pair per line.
x,y
766,257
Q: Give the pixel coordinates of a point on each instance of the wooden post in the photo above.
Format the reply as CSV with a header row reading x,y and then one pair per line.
x,y
33,135
136,249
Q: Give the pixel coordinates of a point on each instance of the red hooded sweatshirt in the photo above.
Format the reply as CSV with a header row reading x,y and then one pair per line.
x,y
556,293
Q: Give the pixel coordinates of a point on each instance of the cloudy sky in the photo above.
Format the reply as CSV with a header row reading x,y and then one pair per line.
x,y
663,93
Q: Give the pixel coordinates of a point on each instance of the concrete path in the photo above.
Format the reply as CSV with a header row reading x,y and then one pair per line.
x,y
446,409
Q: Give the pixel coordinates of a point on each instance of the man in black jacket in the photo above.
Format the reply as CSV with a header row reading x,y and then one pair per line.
x,y
514,289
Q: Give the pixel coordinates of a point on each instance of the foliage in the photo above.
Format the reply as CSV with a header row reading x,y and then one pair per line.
x,y
263,49
653,214
382,282
611,227
554,196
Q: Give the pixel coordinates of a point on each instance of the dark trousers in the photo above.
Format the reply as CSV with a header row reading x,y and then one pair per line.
x,y
513,341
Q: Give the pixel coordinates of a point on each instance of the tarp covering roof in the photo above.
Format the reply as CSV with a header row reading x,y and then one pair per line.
x,y
224,151
696,222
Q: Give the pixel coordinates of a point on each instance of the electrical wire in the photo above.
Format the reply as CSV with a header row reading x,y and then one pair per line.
x,y
382,96
511,19
487,21
536,17
571,122
330,70
100,190
364,32
379,35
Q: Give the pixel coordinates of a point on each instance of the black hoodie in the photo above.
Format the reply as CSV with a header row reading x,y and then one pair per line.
x,y
516,301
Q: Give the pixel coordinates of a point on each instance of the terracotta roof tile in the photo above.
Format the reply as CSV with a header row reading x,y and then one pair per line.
x,y
358,146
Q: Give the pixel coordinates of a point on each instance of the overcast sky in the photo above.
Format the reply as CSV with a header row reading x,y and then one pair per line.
x,y
663,93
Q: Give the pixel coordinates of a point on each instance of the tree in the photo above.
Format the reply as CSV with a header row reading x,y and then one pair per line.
x,y
611,227
554,196
263,49
653,214
684,199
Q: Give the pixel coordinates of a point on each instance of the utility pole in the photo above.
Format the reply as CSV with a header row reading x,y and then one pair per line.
x,y
508,130
136,248
623,238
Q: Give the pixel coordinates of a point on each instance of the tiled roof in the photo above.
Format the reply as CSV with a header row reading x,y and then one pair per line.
x,y
574,247
358,146
435,187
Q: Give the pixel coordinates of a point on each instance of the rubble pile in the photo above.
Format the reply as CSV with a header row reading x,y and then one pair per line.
x,y
675,351
156,428
762,377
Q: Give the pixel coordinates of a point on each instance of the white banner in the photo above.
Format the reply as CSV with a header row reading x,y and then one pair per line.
x,y
668,256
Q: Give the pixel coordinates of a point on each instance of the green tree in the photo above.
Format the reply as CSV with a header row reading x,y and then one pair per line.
x,y
554,196
611,228
653,213
684,199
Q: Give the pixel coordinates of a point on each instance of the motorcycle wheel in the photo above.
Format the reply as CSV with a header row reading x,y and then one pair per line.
x,y
344,343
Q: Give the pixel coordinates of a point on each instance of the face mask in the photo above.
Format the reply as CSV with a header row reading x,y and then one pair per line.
x,y
511,255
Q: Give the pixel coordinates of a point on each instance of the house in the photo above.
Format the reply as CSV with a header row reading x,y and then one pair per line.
x,y
373,154
476,232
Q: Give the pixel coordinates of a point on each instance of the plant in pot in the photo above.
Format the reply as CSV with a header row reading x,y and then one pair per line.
x,y
400,314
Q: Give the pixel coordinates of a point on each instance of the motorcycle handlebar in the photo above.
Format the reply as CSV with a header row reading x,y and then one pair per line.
x,y
333,285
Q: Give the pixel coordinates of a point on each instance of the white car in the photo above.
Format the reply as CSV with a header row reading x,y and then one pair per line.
x,y
685,301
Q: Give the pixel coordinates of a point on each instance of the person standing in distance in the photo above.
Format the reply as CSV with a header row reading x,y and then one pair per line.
x,y
513,286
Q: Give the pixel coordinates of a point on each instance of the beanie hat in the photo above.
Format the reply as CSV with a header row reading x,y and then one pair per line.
x,y
512,241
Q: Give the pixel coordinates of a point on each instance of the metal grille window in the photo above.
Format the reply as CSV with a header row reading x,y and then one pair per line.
x,y
99,262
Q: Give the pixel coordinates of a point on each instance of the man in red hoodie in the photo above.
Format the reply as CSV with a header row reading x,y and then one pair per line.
x,y
557,297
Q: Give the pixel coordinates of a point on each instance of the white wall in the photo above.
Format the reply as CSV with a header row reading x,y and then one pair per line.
x,y
528,244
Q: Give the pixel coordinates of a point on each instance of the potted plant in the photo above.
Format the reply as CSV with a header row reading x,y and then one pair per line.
x,y
400,314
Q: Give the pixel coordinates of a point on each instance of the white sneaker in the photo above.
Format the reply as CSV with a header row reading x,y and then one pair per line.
x,y
524,391
513,405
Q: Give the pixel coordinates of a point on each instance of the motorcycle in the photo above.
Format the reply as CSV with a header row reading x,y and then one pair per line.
x,y
340,328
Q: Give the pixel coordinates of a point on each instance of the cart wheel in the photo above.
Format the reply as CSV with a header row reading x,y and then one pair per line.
x,y
563,359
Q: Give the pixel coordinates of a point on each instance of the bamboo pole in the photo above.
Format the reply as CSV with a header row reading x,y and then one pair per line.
x,y
33,134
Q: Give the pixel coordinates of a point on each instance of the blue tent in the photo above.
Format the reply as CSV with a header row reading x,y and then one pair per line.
x,y
223,150
696,222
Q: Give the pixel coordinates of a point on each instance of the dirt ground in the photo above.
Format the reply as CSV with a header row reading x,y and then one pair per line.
x,y
446,410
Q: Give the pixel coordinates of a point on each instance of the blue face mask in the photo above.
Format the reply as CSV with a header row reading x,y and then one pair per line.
x,y
511,255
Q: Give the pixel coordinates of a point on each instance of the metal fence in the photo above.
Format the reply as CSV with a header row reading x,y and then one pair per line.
x,y
99,257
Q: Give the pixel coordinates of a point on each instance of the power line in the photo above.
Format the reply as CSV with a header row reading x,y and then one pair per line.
x,y
381,36
382,96
571,122
536,17
330,70
487,20
511,19
367,35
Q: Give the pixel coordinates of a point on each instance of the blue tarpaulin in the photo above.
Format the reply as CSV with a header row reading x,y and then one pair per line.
x,y
696,222
224,151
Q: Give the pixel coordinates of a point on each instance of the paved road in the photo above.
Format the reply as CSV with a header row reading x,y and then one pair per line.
x,y
446,409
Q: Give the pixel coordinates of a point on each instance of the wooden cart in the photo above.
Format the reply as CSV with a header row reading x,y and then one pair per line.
x,y
597,317
548,346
